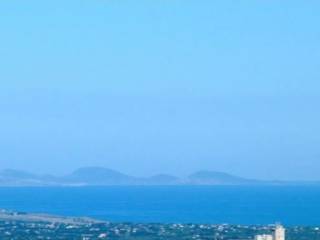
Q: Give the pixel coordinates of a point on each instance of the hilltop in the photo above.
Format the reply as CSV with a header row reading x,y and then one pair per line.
x,y
97,176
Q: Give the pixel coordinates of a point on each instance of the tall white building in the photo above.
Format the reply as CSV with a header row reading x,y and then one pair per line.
x,y
279,233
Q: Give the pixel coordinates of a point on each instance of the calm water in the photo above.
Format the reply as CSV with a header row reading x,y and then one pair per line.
x,y
241,205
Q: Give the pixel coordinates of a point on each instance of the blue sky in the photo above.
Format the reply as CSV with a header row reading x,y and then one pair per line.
x,y
161,86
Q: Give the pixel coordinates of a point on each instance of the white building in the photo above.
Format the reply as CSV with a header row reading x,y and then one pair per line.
x,y
264,237
278,234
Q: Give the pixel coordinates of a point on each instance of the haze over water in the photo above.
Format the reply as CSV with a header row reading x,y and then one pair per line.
x,y
148,87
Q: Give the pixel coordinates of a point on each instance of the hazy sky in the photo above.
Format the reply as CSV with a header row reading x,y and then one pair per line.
x,y
161,86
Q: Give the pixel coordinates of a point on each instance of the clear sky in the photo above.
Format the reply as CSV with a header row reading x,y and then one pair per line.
x,y
161,86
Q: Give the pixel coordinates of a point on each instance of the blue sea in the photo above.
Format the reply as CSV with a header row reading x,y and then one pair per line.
x,y
201,204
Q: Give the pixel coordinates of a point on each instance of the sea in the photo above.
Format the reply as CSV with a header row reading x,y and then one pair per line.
x,y
290,205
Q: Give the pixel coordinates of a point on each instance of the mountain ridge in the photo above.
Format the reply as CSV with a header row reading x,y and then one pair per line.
x,y
98,176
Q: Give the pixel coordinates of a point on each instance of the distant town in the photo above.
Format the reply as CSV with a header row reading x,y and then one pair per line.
x,y
24,226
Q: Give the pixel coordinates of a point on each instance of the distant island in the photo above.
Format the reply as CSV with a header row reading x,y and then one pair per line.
x,y
96,176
